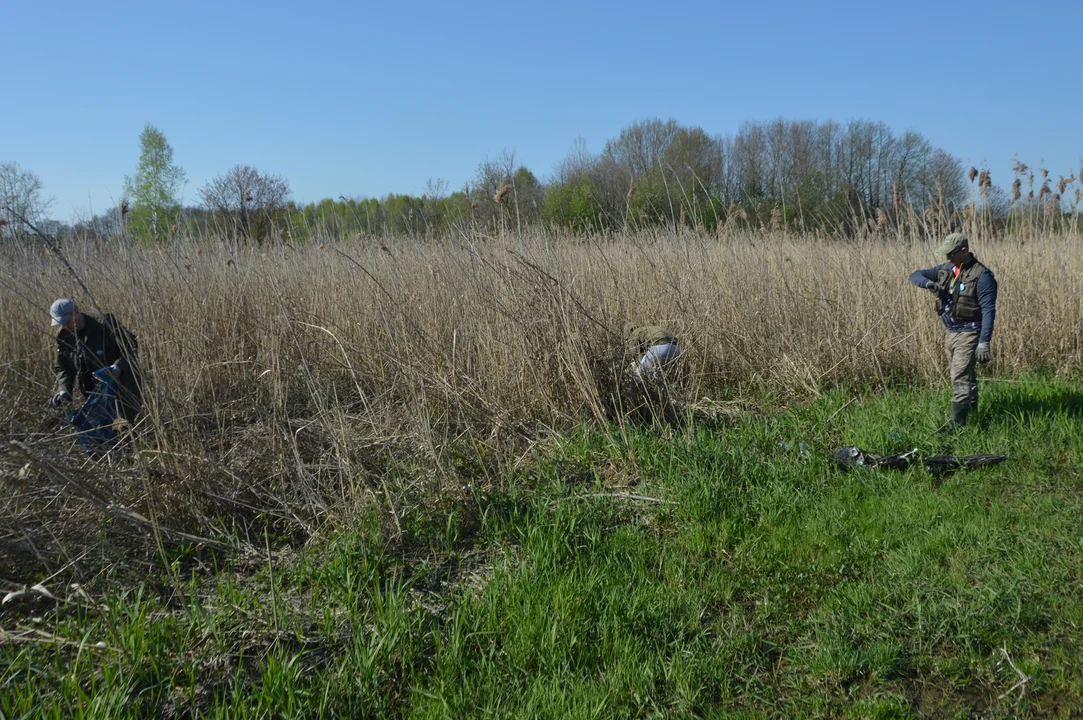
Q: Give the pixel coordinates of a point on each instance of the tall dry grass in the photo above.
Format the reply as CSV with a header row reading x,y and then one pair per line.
x,y
292,383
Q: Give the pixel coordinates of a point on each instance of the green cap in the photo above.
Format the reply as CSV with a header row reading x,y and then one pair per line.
x,y
952,243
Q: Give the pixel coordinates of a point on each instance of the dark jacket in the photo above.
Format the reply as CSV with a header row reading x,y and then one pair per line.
x,y
967,303
101,342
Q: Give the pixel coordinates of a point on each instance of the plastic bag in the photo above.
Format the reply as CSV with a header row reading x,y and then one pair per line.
x,y
95,419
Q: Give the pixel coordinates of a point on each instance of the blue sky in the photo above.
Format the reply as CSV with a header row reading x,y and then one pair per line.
x,y
362,99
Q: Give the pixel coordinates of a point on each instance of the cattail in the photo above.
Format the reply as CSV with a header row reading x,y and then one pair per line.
x,y
501,192
972,173
985,180
248,195
1061,184
776,219
682,218
124,207
1044,172
410,215
1077,193
1043,191
631,191
881,218
1017,189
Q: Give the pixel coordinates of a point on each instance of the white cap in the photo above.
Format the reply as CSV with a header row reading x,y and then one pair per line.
x,y
62,310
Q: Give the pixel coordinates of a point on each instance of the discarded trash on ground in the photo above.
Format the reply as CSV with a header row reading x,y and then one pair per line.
x,y
801,447
852,456
946,463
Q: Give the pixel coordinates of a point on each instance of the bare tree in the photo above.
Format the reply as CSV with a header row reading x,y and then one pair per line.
x,y
577,162
20,201
248,198
493,198
642,145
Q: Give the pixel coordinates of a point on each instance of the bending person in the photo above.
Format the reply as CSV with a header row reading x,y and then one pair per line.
x,y
87,342
654,349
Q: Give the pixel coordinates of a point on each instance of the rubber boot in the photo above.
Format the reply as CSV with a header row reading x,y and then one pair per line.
x,y
959,412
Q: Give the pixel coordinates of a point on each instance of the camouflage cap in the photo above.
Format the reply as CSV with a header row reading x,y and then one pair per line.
x,y
952,243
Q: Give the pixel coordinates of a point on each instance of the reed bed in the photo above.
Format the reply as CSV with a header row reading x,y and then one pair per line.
x,y
288,384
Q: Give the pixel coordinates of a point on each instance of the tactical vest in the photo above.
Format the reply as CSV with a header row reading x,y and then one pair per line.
x,y
963,293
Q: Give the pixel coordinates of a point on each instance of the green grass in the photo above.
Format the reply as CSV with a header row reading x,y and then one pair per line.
x,y
758,581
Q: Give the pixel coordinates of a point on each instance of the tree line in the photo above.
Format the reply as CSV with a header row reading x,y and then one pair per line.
x,y
801,174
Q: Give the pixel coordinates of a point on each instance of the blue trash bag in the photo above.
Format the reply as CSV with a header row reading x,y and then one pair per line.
x,y
94,420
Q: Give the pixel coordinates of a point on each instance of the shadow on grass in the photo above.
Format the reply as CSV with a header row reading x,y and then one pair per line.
x,y
1033,400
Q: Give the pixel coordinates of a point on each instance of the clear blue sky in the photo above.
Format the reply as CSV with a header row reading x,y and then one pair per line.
x,y
362,99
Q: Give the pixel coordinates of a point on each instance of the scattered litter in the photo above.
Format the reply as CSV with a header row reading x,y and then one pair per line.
x,y
801,447
33,594
946,463
852,456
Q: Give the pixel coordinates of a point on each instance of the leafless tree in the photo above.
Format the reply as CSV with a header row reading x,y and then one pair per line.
x,y
494,195
642,145
248,198
21,200
575,164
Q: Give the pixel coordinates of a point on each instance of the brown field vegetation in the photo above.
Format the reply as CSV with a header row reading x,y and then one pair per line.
x,y
293,383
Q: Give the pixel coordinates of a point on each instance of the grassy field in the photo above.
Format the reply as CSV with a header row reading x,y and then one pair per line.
x,y
386,480
730,570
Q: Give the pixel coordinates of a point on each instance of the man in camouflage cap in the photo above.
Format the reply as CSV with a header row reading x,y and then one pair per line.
x,y
966,300
87,342
654,350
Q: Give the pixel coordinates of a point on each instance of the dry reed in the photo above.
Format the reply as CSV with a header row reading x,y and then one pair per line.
x,y
305,380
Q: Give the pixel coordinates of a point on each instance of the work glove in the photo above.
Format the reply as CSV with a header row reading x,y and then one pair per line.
x,y
61,397
932,287
983,354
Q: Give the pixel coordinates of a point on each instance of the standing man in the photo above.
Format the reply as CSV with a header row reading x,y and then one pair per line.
x,y
86,342
966,300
